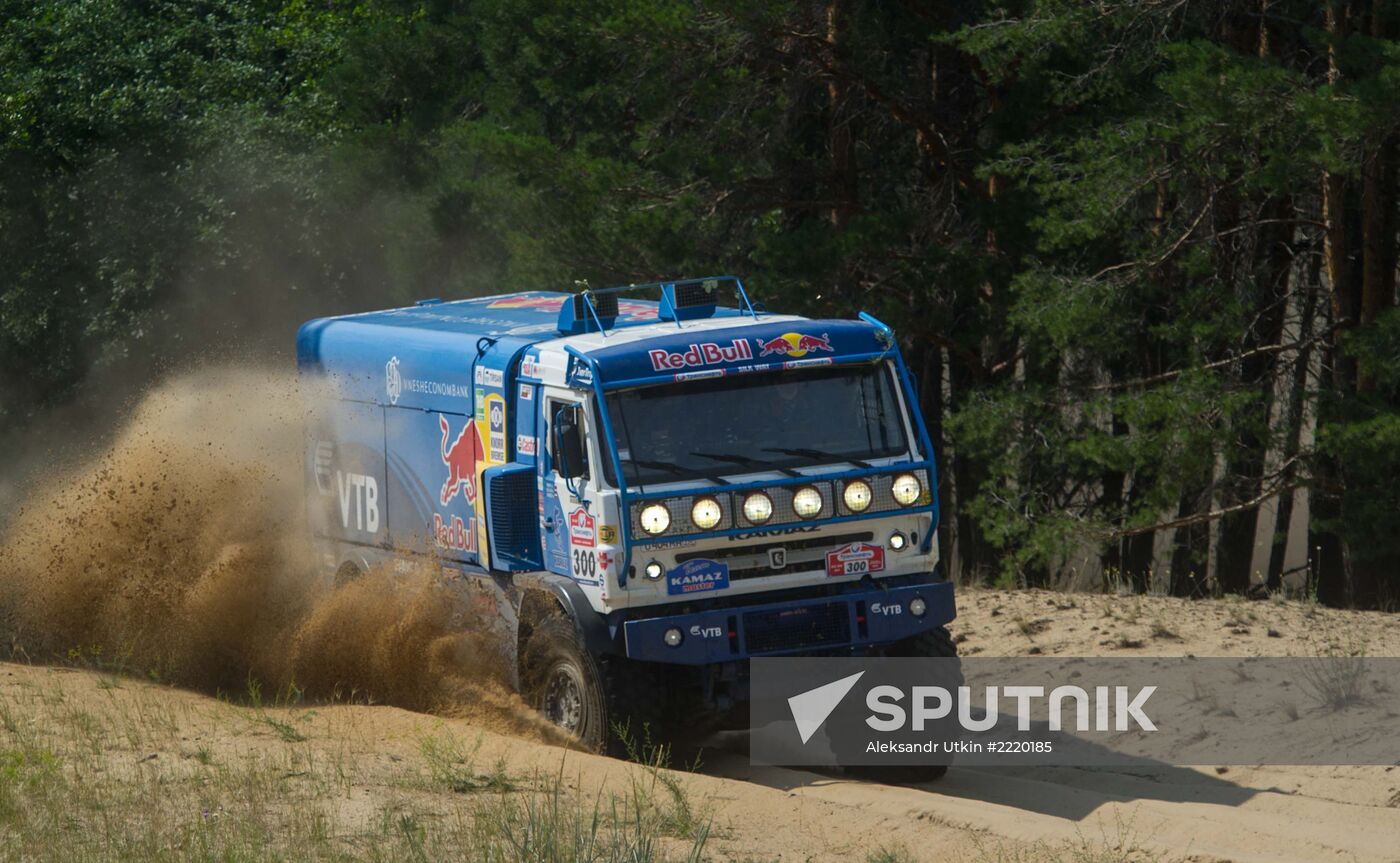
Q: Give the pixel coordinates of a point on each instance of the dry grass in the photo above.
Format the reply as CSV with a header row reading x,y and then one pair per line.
x,y
127,773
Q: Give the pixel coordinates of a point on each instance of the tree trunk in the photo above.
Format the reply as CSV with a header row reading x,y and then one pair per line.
x,y
1298,559
1334,242
840,139
1278,444
1377,235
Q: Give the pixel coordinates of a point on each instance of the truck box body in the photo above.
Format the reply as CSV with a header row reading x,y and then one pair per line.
x,y
429,434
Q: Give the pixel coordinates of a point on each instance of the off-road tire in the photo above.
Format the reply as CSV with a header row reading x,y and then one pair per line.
x,y
612,694
565,683
937,643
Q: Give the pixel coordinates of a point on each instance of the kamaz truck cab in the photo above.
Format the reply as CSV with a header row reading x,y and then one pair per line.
x,y
642,494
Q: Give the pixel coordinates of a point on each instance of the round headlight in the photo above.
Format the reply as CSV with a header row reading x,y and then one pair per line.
x,y
673,637
897,541
917,606
653,570
706,513
655,519
807,502
758,508
857,495
906,489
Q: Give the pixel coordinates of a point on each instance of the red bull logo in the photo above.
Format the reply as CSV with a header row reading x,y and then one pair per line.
x,y
629,310
704,354
794,345
460,459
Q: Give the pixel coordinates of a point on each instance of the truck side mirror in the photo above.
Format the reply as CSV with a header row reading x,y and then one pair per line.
x,y
568,443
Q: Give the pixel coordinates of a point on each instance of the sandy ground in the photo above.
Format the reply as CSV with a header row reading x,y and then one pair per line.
x,y
982,814
1280,813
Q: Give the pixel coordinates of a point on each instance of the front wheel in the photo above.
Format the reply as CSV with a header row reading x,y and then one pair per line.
x,y
935,643
564,683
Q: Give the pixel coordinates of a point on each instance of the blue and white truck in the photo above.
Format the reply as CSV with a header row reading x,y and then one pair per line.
x,y
644,493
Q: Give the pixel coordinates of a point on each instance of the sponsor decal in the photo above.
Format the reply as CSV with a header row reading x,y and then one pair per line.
x,y
436,388
581,528
496,429
527,301
703,354
607,533
579,373
454,533
359,496
489,377
680,543
886,609
631,310
605,561
858,558
395,384
698,376
816,361
794,345
527,392
460,458
524,444
698,631
759,534
321,466
530,366
393,381
697,576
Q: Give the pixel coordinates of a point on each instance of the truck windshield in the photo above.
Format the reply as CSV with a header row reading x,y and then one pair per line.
x,y
760,422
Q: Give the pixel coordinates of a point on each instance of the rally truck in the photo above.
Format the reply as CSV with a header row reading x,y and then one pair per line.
x,y
642,488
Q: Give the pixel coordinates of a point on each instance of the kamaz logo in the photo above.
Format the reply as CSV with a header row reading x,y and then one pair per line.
x,y
759,534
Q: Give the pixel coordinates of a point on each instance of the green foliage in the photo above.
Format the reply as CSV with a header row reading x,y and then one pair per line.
x,y
1079,214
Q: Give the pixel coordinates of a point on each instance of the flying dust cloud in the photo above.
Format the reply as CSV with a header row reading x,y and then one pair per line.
x,y
179,551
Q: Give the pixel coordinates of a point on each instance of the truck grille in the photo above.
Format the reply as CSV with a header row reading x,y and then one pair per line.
x,y
810,626
803,555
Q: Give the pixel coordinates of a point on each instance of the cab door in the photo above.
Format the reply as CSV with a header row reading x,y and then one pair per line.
x,y
569,507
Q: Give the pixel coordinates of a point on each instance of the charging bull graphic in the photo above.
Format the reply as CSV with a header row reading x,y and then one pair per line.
x,y
794,345
460,458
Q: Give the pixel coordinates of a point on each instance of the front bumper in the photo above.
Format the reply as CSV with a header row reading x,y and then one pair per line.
x,y
864,616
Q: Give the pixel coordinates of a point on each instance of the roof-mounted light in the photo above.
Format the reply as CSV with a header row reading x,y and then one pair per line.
x,y
689,300
587,312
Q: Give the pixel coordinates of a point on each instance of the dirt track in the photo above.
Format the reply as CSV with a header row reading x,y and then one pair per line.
x,y
1257,814
172,546
1199,814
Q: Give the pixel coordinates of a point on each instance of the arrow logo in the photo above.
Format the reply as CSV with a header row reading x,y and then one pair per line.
x,y
811,708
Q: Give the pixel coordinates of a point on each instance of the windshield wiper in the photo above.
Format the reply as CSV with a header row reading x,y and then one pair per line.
x,y
817,454
673,470
745,461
